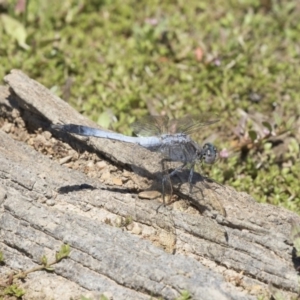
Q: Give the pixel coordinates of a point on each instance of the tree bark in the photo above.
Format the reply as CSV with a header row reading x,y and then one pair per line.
x,y
231,247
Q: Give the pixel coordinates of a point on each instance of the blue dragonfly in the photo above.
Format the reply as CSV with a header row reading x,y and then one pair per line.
x,y
171,137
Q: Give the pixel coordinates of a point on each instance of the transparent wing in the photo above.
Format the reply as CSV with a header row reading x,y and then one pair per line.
x,y
150,126
157,125
179,125
189,125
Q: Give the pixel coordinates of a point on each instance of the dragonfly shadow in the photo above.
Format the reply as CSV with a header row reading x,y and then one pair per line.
x,y
74,188
201,192
80,187
207,182
143,172
155,176
296,260
179,179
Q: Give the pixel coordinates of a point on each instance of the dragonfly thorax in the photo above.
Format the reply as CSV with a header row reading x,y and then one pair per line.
x,y
178,147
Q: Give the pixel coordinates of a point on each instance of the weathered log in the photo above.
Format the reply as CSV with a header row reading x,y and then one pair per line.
x,y
235,248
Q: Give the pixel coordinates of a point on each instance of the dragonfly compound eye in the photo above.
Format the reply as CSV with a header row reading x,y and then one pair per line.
x,y
209,153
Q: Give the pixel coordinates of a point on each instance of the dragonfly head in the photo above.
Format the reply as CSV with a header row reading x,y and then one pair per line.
x,y
209,153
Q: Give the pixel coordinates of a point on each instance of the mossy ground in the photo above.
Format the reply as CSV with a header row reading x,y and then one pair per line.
x,y
116,61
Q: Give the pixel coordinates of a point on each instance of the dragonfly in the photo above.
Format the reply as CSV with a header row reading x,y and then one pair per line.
x,y
171,137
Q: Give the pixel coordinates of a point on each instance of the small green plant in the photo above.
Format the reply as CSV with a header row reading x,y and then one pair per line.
x,y
127,221
63,253
1,257
14,290
185,295
123,222
8,287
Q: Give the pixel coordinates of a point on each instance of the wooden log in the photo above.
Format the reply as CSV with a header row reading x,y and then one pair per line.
x,y
231,247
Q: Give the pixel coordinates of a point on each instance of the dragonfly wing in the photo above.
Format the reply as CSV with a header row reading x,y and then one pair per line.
x,y
150,126
197,125
180,124
189,125
158,125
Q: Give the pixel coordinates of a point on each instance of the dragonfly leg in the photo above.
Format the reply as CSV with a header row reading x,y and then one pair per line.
x,y
164,180
167,177
177,170
191,178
